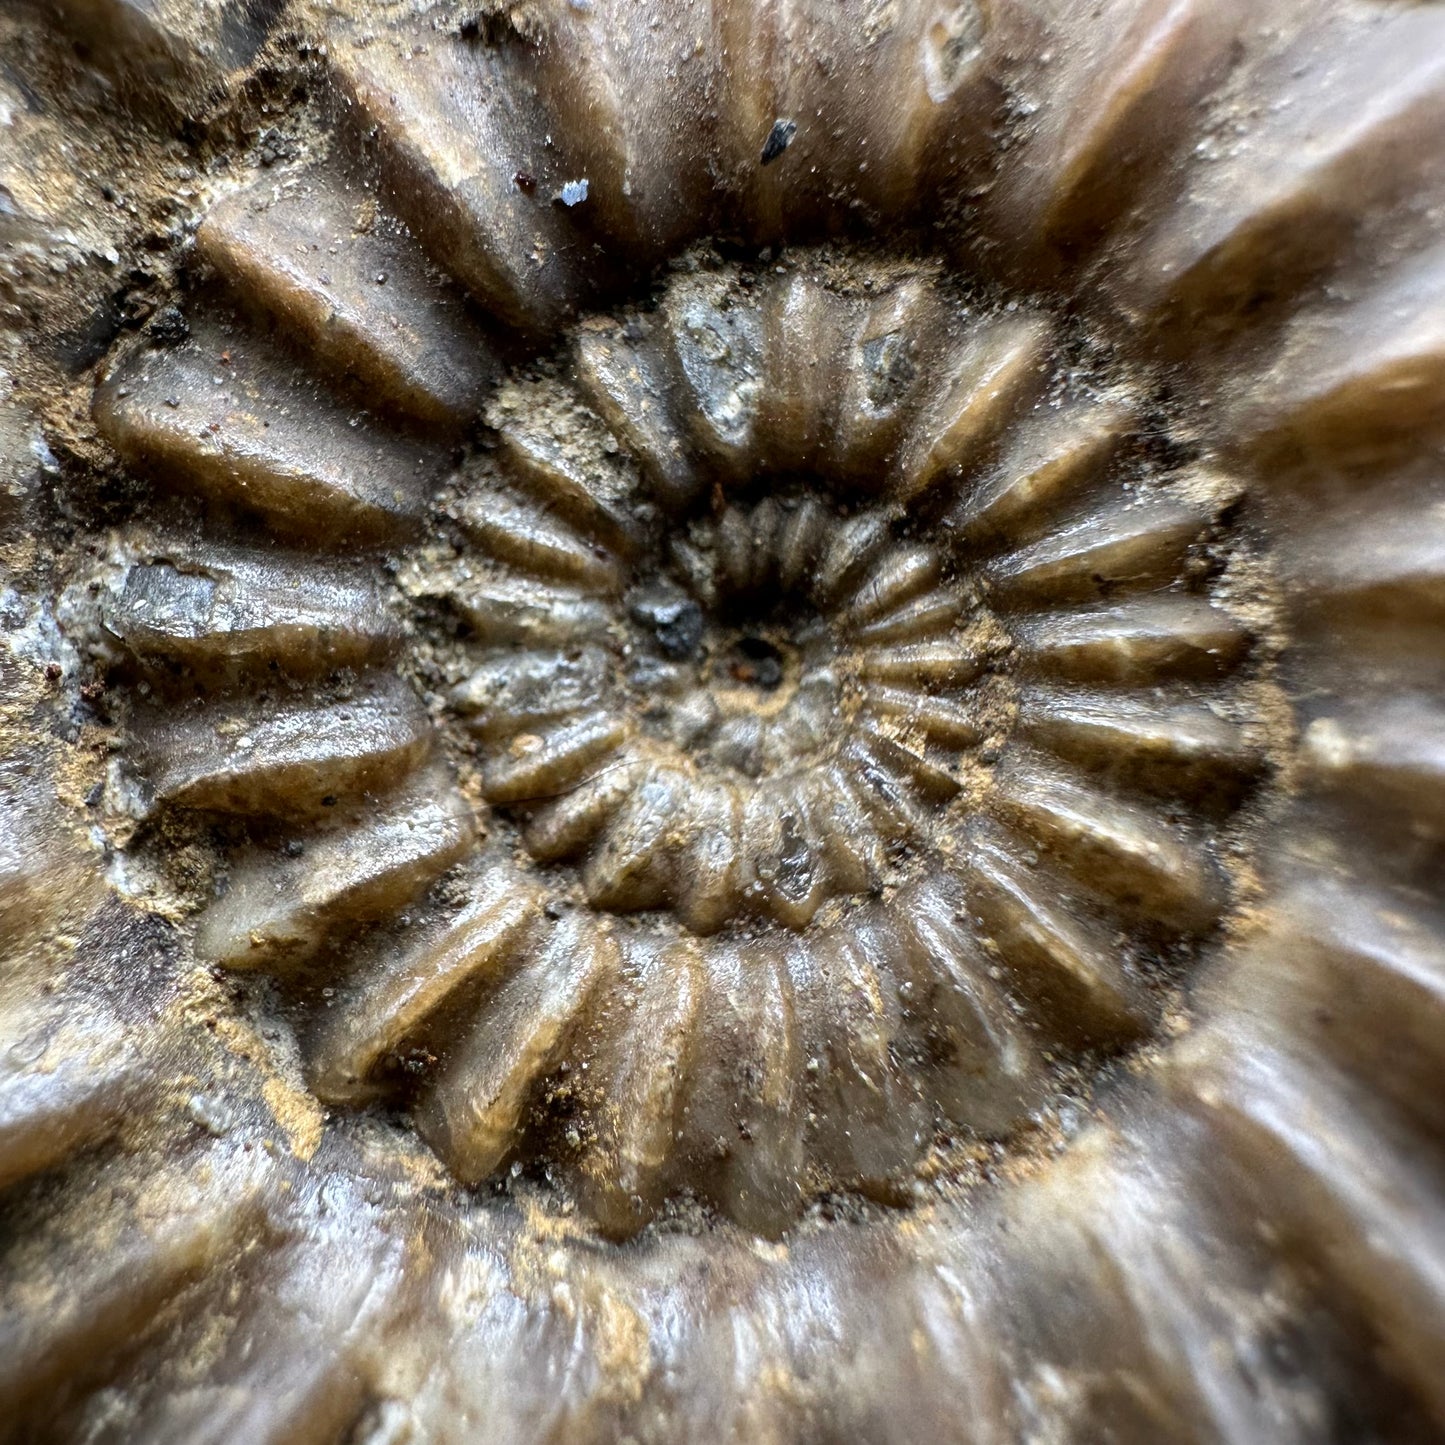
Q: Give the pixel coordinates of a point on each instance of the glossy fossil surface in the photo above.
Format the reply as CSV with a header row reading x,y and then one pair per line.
x,y
695,754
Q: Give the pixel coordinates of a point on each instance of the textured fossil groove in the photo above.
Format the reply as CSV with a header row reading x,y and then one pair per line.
x,y
722,720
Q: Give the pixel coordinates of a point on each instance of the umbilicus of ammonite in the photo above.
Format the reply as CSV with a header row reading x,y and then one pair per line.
x,y
727,725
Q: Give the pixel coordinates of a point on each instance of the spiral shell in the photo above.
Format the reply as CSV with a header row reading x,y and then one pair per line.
x,y
734,704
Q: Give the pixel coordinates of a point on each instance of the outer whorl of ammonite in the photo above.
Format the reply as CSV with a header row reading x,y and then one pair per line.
x,y
722,720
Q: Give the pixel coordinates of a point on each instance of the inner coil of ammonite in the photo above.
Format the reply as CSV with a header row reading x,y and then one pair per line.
x,y
802,746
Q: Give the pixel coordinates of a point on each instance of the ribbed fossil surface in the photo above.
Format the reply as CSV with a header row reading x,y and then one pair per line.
x,y
722,721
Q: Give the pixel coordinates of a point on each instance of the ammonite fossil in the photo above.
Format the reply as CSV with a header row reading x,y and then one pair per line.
x,y
723,720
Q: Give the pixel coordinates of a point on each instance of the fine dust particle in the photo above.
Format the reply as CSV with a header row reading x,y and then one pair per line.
x,y
298,1114
620,1334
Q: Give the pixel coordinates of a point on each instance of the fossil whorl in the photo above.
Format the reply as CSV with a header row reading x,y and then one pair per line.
x,y
840,673
690,618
